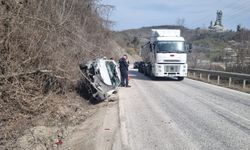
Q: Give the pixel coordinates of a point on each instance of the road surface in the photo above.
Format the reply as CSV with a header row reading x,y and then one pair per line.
x,y
186,115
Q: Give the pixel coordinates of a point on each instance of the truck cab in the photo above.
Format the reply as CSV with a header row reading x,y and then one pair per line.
x,y
165,54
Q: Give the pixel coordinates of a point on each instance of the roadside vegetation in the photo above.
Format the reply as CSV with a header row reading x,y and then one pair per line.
x,y
42,44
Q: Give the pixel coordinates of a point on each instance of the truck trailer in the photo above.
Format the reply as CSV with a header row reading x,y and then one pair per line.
x,y
165,54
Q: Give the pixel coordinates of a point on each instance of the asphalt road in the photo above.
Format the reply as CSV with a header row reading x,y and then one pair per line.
x,y
186,115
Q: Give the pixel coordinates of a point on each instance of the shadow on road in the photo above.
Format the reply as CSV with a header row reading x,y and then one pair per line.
x,y
134,74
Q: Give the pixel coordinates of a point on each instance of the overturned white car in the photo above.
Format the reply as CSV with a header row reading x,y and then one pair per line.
x,y
102,78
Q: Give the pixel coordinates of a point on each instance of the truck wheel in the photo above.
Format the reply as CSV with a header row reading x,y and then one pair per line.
x,y
180,78
145,72
152,75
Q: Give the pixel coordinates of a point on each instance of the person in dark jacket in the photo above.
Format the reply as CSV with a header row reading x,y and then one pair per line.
x,y
124,71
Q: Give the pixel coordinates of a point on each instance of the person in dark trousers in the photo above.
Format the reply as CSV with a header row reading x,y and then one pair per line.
x,y
124,71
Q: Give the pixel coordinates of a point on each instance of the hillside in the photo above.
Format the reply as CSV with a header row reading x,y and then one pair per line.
x,y
219,51
42,44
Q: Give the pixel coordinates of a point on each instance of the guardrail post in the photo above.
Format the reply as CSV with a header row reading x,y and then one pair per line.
x,y
207,74
230,82
218,80
244,84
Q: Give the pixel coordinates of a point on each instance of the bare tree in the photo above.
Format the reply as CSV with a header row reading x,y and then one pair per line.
x,y
180,22
41,46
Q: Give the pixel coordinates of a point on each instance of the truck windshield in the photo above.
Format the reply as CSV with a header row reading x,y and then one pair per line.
x,y
170,47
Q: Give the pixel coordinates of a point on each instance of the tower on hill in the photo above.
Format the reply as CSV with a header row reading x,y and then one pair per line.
x,y
217,26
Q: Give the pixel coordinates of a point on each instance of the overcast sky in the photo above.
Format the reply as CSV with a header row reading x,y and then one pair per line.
x,y
197,13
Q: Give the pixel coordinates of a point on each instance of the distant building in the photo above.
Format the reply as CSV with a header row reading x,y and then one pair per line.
x,y
217,26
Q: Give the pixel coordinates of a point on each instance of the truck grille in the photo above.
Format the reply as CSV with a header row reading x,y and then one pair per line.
x,y
173,61
171,69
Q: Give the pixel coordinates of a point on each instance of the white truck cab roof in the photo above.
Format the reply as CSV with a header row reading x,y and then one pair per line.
x,y
179,39
166,35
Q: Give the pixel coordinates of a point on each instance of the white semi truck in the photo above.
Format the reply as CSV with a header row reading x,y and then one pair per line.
x,y
165,55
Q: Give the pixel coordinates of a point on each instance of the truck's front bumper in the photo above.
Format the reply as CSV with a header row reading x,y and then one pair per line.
x,y
170,70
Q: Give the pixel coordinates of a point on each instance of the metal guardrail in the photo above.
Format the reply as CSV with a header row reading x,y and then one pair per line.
x,y
219,74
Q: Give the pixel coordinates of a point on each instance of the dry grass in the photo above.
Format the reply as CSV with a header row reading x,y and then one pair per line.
x,y
41,45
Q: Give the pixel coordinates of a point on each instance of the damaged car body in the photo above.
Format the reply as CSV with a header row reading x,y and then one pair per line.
x,y
102,78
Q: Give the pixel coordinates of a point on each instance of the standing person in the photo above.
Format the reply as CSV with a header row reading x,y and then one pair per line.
x,y
124,71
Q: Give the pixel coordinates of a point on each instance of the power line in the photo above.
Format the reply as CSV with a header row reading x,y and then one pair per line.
x,y
242,7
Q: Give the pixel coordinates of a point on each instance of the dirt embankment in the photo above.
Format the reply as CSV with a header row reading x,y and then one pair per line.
x,y
90,128
41,45
50,129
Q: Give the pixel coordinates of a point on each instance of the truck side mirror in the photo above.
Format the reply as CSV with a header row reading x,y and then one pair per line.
x,y
189,47
151,47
